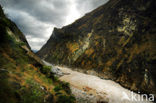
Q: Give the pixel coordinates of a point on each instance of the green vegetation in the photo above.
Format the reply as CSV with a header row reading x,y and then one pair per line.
x,y
63,86
33,94
66,87
21,44
54,78
65,99
22,78
46,70
6,90
57,88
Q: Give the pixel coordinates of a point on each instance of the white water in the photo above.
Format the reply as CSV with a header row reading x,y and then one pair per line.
x,y
92,89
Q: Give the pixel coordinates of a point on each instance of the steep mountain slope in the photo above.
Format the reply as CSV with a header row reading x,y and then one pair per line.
x,y
117,41
23,78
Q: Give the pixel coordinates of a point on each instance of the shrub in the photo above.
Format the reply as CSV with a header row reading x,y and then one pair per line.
x,y
66,87
65,99
53,77
46,70
57,88
58,93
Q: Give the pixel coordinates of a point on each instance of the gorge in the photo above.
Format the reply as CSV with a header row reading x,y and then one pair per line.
x,y
115,41
107,56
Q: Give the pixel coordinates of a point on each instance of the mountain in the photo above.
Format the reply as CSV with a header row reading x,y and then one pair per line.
x,y
23,76
115,41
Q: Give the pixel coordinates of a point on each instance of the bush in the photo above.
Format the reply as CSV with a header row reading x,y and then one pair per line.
x,y
46,70
66,87
57,88
53,77
66,99
58,93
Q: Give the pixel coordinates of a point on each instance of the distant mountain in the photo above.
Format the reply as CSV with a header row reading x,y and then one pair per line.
x,y
23,77
117,41
35,51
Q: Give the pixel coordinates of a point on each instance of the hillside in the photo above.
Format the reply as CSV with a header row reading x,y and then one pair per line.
x,y
116,41
23,77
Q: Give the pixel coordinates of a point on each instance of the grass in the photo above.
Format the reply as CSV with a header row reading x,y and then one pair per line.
x,y
29,77
20,79
33,93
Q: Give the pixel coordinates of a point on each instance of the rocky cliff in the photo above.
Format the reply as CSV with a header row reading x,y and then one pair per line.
x,y
23,77
117,41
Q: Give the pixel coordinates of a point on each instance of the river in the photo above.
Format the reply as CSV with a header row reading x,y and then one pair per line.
x,y
92,89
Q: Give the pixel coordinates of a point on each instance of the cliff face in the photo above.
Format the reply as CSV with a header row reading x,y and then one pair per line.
x,y
23,78
116,40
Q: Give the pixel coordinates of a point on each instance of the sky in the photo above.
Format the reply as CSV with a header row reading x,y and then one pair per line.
x,y
37,18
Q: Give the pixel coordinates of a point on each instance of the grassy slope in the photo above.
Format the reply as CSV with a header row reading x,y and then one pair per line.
x,y
22,78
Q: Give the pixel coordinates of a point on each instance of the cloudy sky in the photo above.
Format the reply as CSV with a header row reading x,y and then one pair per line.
x,y
37,18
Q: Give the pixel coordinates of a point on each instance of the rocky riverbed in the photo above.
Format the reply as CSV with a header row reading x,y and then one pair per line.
x,y
92,89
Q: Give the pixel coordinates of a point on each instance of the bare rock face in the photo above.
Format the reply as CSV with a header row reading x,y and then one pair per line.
x,y
116,40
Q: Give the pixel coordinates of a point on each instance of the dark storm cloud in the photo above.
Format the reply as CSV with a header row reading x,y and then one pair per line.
x,y
50,11
29,25
36,18
37,32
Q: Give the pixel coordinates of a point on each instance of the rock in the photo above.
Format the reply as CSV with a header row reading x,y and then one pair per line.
x,y
57,72
117,40
43,88
66,73
91,72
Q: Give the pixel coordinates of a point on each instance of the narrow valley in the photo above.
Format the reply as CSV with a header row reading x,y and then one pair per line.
x,y
92,89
